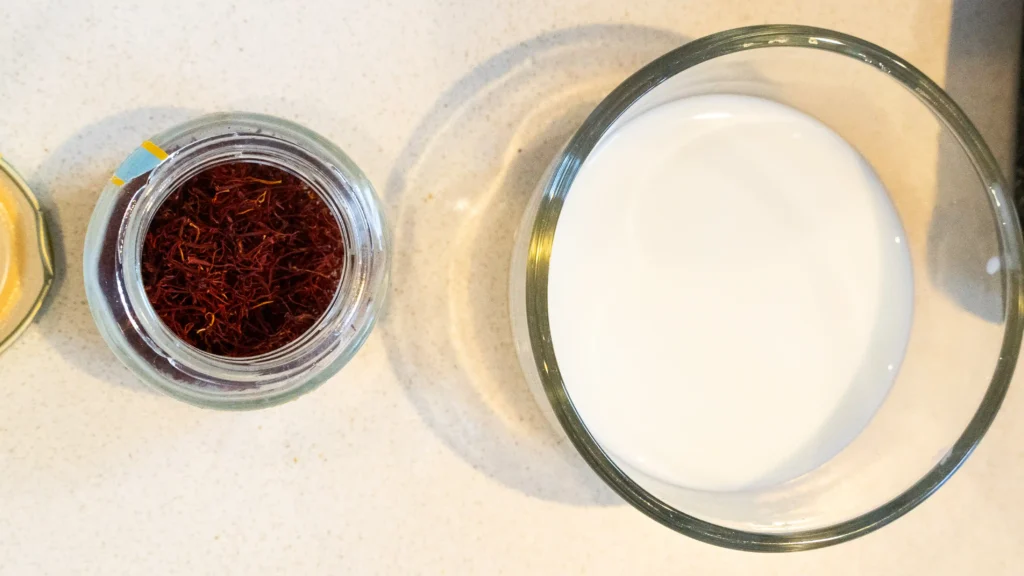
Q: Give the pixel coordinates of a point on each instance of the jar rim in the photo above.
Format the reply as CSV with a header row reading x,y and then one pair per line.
x,y
567,165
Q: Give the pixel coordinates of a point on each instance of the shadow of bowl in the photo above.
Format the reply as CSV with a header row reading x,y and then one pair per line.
x,y
457,194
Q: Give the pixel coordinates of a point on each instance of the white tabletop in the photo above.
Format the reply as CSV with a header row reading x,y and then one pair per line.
x,y
424,455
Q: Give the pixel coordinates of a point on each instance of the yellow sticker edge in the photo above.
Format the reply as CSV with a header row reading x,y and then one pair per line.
x,y
154,150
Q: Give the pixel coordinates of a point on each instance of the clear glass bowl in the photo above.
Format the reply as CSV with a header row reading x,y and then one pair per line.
x,y
26,261
113,248
965,243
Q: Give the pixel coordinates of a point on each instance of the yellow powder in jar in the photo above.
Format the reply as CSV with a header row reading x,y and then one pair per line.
x,y
10,265
26,264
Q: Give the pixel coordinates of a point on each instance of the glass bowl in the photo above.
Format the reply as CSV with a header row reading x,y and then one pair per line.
x,y
964,240
113,249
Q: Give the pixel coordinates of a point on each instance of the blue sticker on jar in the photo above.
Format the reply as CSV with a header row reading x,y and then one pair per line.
x,y
142,160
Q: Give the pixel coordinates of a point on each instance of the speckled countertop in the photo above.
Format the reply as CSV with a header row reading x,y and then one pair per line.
x,y
425,455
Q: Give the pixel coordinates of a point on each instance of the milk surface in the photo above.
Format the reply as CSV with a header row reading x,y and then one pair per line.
x,y
730,293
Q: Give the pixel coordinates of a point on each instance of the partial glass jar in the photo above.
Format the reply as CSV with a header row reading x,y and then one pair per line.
x,y
26,262
113,249
965,245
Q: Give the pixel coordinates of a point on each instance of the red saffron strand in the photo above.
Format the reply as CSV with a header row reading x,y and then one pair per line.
x,y
242,259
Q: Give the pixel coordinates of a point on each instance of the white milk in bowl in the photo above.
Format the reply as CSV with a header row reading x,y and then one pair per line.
x,y
729,293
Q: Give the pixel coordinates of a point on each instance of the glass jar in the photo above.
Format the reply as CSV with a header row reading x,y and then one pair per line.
x,y
26,262
113,249
965,245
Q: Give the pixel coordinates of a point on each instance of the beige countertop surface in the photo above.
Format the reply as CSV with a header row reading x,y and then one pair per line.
x,y
425,454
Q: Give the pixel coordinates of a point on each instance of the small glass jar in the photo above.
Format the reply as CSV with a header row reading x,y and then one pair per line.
x,y
26,262
113,249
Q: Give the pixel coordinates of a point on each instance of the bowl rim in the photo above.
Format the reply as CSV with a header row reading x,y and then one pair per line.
x,y
567,165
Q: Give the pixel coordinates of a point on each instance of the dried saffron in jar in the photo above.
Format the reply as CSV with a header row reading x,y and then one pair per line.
x,y
242,259
236,261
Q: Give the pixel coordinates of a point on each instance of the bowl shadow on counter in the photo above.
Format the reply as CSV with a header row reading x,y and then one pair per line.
x,y
456,196
963,250
68,184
